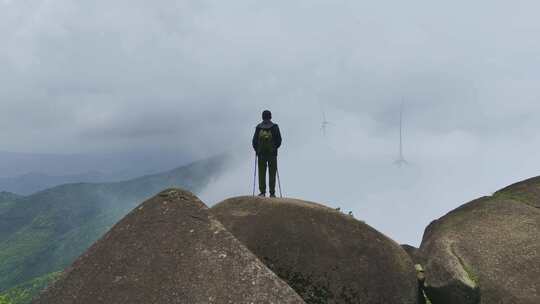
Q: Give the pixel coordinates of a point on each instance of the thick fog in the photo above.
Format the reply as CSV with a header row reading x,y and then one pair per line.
x,y
193,76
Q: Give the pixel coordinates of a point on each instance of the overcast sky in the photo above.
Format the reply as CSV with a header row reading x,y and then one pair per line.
x,y
193,76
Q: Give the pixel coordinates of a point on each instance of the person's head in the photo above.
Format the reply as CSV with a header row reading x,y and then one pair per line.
x,y
266,115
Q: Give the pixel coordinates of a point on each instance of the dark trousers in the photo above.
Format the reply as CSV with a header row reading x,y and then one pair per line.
x,y
269,162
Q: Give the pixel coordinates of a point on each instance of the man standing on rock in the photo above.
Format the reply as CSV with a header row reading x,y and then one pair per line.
x,y
266,142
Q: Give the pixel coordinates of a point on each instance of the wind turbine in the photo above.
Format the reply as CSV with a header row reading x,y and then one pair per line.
x,y
325,122
401,160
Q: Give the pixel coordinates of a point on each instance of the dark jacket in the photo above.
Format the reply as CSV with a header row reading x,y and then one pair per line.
x,y
276,135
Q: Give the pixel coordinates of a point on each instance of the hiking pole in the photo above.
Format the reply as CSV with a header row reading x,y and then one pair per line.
x,y
255,174
279,183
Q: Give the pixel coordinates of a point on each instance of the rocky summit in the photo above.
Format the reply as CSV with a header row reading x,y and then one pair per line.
x,y
326,256
173,249
486,251
168,250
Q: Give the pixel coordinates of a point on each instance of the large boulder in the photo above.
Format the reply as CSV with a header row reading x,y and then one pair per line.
x,y
169,250
326,256
486,251
414,253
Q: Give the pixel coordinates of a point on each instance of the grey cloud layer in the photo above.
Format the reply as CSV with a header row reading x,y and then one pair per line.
x,y
194,76
171,67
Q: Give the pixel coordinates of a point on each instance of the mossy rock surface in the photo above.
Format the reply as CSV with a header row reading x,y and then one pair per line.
x,y
326,256
486,251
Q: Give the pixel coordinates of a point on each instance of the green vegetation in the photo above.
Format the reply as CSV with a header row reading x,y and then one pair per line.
x,y
527,192
520,196
24,293
471,274
7,200
47,231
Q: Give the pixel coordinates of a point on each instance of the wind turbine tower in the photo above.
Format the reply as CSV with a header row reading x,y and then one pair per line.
x,y
324,124
401,160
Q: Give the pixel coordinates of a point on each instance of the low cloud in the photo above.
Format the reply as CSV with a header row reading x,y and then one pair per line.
x,y
193,76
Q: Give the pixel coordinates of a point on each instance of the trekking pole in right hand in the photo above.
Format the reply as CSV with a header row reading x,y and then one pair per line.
x,y
279,183
254,174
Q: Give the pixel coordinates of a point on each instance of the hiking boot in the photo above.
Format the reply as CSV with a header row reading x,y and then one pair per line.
x,y
262,194
272,195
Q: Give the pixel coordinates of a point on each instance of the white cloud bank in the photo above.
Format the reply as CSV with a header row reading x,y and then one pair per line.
x,y
194,76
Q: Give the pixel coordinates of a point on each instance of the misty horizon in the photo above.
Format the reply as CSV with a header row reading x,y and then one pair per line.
x,y
192,77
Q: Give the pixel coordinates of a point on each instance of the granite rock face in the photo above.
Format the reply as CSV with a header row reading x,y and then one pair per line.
x,y
326,256
486,251
169,250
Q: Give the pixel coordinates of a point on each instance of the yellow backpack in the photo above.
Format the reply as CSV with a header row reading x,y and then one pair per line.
x,y
266,142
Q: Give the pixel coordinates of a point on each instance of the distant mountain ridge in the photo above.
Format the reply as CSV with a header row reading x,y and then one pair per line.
x,y
68,168
46,231
29,183
6,195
